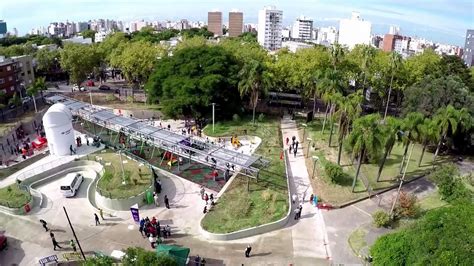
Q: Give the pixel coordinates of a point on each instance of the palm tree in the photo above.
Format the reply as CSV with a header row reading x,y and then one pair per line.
x,y
411,131
255,79
330,85
40,84
365,138
448,118
427,134
337,54
336,100
391,130
368,53
350,109
32,91
317,77
395,62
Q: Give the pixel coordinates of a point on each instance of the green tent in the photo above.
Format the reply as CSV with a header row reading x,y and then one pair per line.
x,y
179,253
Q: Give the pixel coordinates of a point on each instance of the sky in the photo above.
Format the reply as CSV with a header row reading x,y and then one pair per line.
x,y
444,21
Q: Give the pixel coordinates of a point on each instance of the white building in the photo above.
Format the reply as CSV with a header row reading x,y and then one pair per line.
x,y
394,30
295,46
269,28
354,31
326,36
302,28
101,35
286,33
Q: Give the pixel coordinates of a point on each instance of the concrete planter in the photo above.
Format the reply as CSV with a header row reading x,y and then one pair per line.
x,y
120,204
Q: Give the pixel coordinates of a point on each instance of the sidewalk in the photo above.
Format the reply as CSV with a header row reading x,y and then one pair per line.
x,y
309,233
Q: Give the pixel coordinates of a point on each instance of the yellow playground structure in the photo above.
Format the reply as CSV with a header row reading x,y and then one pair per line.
x,y
235,141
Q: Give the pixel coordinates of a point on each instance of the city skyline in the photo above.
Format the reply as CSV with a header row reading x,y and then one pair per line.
x,y
440,21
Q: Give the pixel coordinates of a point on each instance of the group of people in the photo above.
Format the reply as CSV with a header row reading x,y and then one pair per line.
x,y
208,198
153,231
53,238
294,145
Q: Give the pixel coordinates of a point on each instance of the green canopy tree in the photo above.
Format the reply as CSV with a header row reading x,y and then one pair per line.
x,y
365,139
411,131
139,256
88,34
395,62
79,61
46,60
331,84
427,133
187,83
421,65
391,131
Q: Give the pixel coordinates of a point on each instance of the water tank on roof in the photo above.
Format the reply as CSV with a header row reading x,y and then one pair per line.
x,y
57,122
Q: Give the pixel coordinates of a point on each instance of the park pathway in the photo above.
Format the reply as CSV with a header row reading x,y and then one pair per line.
x,y
309,233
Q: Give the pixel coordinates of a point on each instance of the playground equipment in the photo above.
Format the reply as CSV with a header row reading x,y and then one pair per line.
x,y
39,143
235,141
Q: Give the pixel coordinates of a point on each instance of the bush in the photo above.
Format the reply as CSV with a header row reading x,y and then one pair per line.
x,y
407,206
261,117
139,256
236,118
449,184
110,98
334,172
130,99
381,218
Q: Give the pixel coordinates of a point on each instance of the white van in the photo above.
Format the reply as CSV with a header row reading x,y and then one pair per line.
x,y
70,184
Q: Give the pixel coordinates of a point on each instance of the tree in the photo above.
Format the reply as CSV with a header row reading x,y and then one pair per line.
x,y
79,61
330,85
255,79
432,93
99,261
46,60
113,45
411,131
189,81
365,139
32,91
40,85
391,132
422,65
395,62
88,34
447,120
248,37
427,133
449,183
137,60
139,256
443,236
452,65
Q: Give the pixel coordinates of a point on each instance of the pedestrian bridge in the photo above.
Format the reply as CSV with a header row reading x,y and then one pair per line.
x,y
189,146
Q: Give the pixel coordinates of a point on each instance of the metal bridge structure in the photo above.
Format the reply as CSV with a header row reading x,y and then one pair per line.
x,y
185,146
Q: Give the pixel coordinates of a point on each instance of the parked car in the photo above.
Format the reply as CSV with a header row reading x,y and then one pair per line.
x,y
104,87
71,184
77,88
3,240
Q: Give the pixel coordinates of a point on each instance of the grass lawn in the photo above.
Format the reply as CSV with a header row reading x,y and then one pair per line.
x,y
357,240
111,182
17,167
13,197
341,193
432,201
267,200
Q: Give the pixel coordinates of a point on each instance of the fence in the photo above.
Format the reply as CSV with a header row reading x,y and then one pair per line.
x,y
41,168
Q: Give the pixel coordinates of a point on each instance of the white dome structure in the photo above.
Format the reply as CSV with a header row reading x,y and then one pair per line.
x,y
57,122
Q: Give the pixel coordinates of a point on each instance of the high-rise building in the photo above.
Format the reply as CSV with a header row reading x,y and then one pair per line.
x,y
468,53
354,31
326,36
81,26
395,30
269,28
3,27
214,22
302,29
236,23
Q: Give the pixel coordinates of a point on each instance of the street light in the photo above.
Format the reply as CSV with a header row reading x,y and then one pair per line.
x,y
304,130
309,144
121,166
315,160
213,115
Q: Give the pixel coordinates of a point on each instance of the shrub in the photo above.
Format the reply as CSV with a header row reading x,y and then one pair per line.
x,y
107,175
236,118
109,98
381,218
449,184
334,172
261,117
130,99
407,205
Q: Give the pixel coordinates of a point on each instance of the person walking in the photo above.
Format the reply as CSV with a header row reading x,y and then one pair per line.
x,y
296,145
73,245
167,202
297,213
294,198
101,213
311,199
301,210
206,198
155,198
55,243
291,148
97,222
202,191
295,151
247,251
45,225
287,141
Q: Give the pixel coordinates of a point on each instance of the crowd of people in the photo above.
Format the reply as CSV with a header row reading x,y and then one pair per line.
x,y
152,230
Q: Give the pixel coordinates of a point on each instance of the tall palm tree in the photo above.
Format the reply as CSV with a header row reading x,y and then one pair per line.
x,y
411,131
336,100
337,55
314,87
255,80
366,138
32,91
330,85
395,62
448,118
368,54
391,130
427,134
40,84
350,109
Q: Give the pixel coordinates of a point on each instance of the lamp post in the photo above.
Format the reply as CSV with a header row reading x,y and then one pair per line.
x,y
304,130
315,160
309,145
213,115
121,166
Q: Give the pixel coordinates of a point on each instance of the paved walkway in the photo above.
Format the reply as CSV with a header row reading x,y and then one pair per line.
x,y
309,234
